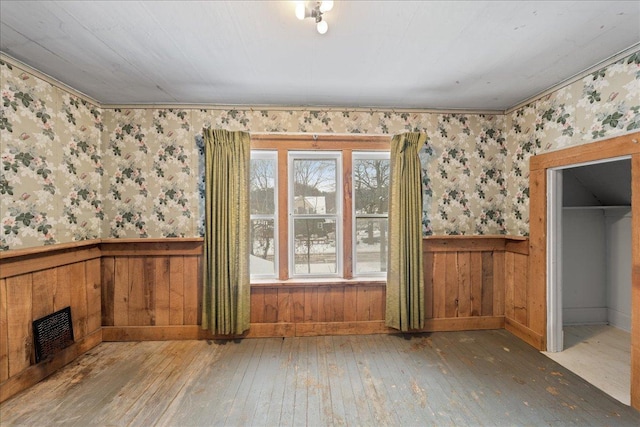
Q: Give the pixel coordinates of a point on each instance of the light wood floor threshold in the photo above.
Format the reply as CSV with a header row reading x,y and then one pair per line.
x,y
601,354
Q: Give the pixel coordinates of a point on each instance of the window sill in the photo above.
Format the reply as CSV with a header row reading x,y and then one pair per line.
x,y
318,281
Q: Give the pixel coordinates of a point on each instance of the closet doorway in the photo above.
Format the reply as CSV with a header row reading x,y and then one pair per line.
x,y
545,266
590,294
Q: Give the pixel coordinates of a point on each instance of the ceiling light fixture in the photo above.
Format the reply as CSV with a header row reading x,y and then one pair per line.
x,y
315,10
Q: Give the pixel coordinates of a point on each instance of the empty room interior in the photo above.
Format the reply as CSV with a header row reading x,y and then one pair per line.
x,y
320,213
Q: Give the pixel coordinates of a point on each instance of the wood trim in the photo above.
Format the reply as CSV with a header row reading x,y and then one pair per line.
x,y
23,261
347,214
283,214
345,144
517,246
145,247
257,330
475,243
525,334
538,249
342,328
635,281
290,329
39,250
624,145
154,240
47,259
294,284
320,142
36,373
463,323
272,330
152,333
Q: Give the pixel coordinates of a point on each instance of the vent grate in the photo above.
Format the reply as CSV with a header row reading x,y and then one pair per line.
x,y
52,333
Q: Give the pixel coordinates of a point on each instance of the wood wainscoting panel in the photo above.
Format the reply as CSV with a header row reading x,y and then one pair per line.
x,y
19,318
176,291
155,283
161,276
474,276
499,287
94,303
4,332
76,275
35,373
107,283
44,285
32,286
317,303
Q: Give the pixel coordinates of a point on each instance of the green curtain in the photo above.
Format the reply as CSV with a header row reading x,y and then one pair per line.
x,y
225,296
405,280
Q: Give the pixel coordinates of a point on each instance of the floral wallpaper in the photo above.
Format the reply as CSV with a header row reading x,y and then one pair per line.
x,y
603,104
153,191
151,188
51,163
72,170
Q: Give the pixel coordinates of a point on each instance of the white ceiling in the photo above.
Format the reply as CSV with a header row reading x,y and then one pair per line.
x,y
487,55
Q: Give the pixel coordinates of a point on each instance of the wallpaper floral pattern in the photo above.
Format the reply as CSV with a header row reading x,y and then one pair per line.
x,y
603,104
172,206
51,163
151,188
72,170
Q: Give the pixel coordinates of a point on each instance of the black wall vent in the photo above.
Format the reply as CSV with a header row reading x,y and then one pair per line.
x,y
52,333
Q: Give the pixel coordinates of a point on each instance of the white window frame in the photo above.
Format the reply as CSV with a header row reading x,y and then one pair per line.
x,y
338,216
364,155
269,155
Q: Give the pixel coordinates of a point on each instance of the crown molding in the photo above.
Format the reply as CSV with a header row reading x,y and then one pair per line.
x,y
47,78
324,109
576,77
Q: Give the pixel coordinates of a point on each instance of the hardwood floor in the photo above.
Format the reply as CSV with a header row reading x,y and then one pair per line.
x,y
445,378
600,354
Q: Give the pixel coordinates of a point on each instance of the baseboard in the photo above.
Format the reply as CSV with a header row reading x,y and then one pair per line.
x,y
36,373
464,324
342,328
619,320
307,329
257,330
584,316
529,336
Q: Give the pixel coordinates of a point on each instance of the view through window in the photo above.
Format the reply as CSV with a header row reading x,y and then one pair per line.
x,y
319,213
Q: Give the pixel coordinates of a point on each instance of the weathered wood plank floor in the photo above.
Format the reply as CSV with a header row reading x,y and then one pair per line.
x,y
447,378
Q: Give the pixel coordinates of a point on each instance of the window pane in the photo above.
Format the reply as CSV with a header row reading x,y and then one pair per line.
x,y
314,186
371,186
315,246
263,179
262,260
371,245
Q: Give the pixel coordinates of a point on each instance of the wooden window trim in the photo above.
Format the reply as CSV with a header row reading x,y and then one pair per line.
x,y
346,144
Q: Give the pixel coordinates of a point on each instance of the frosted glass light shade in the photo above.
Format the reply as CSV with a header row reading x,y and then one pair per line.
x,y
322,27
300,10
326,6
